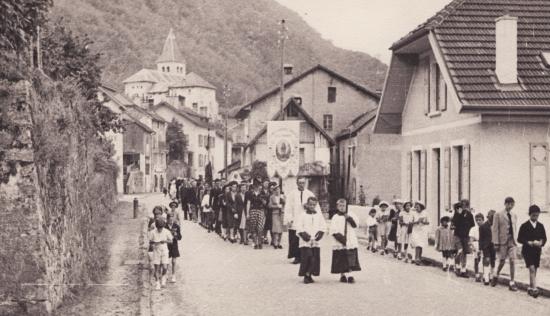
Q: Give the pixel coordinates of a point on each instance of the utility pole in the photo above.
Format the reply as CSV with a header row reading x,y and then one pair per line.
x,y
282,39
226,91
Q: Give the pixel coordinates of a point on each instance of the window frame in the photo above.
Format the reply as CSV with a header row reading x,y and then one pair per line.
x,y
328,118
331,94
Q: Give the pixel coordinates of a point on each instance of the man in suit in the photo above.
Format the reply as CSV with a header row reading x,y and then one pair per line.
x,y
503,232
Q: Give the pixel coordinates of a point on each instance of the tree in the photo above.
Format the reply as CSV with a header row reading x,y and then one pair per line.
x,y
259,170
66,56
176,140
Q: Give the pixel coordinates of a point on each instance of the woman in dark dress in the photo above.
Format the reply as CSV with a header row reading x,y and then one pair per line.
x,y
532,236
394,218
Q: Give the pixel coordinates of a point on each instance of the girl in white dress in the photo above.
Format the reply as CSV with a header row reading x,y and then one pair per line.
x,y
419,235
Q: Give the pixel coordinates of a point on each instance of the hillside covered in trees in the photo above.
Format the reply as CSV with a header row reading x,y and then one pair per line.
x,y
233,42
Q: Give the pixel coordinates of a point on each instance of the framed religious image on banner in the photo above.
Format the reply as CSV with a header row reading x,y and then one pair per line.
x,y
283,140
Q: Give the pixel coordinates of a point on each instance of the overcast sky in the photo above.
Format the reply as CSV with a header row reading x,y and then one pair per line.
x,y
370,26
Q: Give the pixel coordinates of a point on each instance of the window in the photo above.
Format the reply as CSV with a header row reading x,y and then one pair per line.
x,y
163,69
147,168
302,156
167,68
331,97
203,111
417,175
436,88
195,106
291,112
327,122
200,160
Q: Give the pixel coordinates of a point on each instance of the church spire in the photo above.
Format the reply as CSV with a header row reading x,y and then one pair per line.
x,y
171,56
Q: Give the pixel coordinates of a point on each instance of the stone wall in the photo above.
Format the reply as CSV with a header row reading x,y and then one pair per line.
x,y
55,182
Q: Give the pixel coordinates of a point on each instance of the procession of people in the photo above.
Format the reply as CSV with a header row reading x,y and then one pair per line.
x,y
257,212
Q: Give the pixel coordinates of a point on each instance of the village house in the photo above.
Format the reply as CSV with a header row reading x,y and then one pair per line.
x,y
329,100
468,92
141,147
372,161
315,146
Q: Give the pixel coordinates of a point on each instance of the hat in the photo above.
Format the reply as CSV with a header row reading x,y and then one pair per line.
x,y
175,203
421,204
232,183
383,203
534,209
445,219
372,209
398,201
509,200
273,185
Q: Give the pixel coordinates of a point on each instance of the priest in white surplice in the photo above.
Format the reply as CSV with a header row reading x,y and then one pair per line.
x,y
297,197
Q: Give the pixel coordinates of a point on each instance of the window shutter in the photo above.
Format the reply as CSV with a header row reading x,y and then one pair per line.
x,y
423,177
428,96
447,179
466,171
444,101
409,174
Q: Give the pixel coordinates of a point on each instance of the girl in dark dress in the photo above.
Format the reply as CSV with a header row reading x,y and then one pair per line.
x,y
394,218
532,236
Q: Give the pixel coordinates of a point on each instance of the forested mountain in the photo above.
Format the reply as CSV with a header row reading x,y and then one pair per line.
x,y
225,41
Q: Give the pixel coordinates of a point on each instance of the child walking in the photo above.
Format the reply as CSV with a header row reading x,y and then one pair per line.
x,y
173,249
310,227
419,235
486,248
532,236
158,238
444,242
383,218
405,230
207,211
344,248
372,227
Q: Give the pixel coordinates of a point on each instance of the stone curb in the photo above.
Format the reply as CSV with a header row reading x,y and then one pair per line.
x,y
145,301
501,280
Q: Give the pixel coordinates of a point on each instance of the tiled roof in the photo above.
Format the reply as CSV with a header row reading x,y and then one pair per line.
x,y
466,37
164,80
195,118
307,117
303,75
357,124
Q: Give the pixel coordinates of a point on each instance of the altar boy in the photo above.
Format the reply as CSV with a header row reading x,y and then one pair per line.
x,y
310,227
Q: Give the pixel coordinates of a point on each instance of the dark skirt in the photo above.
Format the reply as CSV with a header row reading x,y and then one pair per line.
x,y
256,221
310,261
293,245
531,256
392,236
268,220
345,260
173,250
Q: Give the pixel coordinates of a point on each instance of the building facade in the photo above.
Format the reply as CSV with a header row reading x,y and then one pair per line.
x,y
471,105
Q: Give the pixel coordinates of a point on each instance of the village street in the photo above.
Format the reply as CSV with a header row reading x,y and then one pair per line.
x,y
219,278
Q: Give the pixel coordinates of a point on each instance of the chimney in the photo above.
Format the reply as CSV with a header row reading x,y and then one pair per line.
x,y
288,70
507,49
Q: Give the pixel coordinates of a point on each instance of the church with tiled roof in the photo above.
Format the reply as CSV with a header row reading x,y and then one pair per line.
x,y
171,83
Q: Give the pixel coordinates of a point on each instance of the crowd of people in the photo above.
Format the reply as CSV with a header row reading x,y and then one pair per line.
x,y
240,212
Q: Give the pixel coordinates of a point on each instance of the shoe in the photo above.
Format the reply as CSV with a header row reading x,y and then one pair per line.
x,y
260,246
399,258
486,282
311,280
464,275
418,263
513,287
382,252
255,246
296,261
343,279
494,281
163,281
173,279
280,247
157,285
406,260
307,280
445,269
351,280
478,278
265,241
245,243
536,293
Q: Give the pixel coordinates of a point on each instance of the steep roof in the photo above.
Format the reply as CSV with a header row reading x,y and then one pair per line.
x,y
465,32
357,125
303,75
163,80
306,116
170,51
195,118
